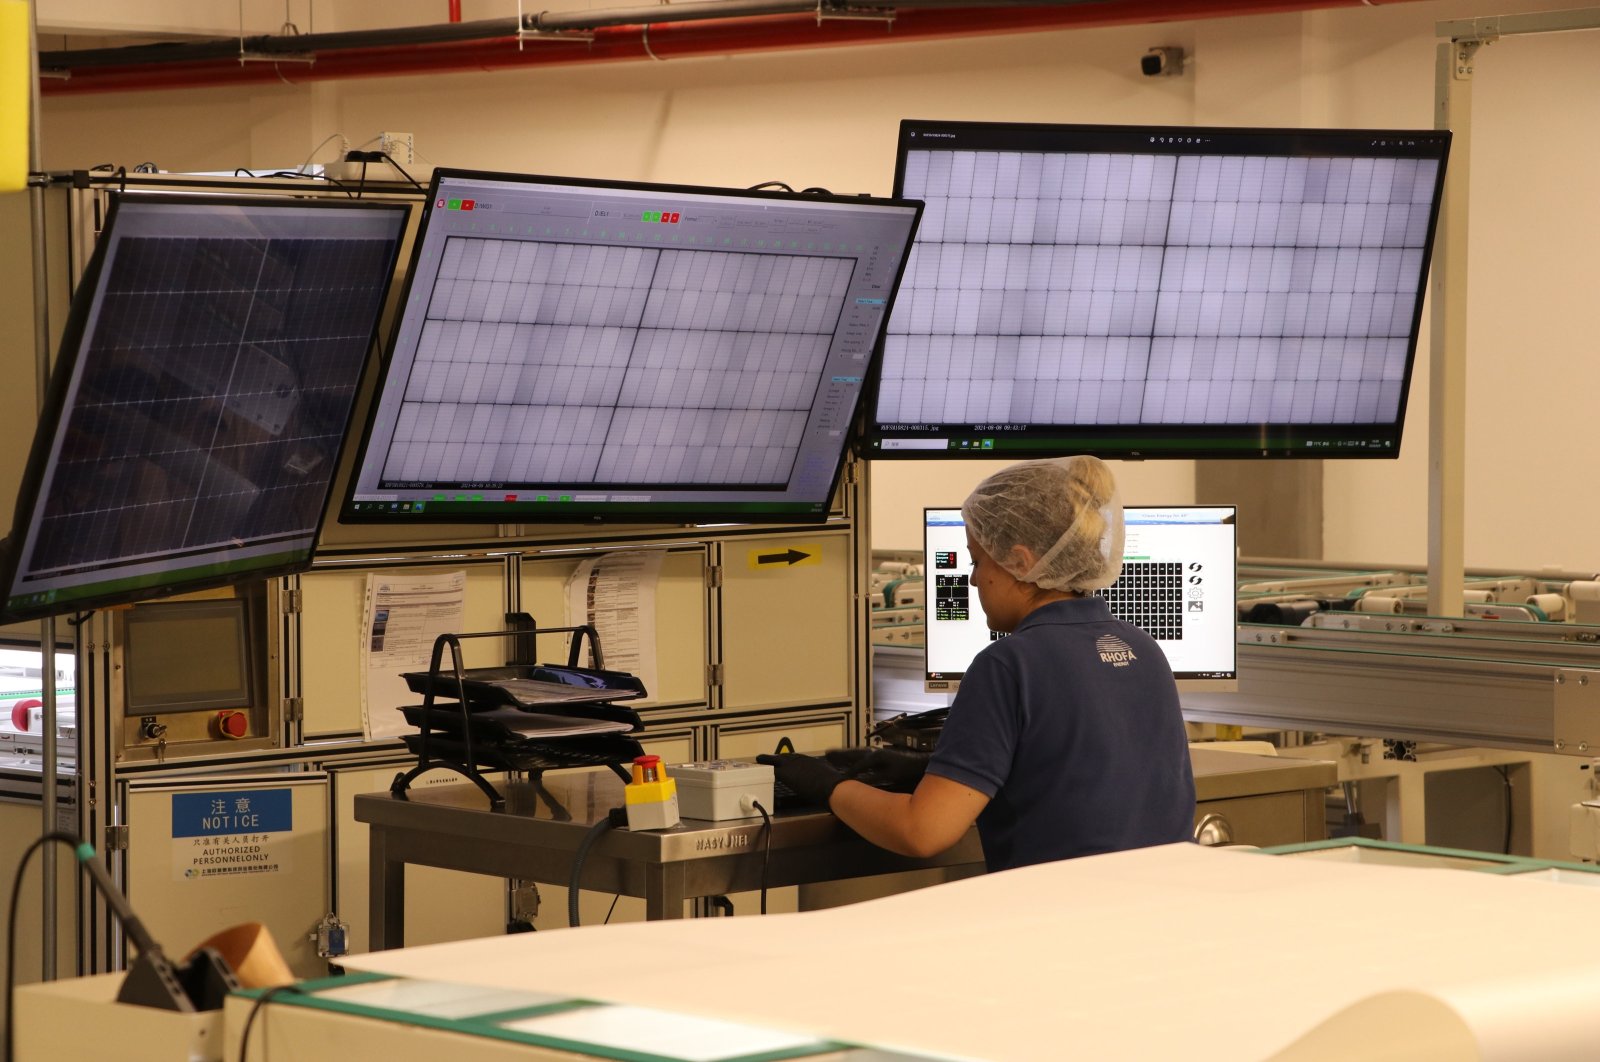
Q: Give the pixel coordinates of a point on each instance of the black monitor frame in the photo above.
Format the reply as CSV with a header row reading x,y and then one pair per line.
x,y
583,499
218,568
1002,438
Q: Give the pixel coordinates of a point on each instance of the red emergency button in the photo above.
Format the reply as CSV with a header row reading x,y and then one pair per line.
x,y
19,712
233,724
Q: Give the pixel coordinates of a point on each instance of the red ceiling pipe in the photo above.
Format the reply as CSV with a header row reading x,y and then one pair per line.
x,y
664,41
455,10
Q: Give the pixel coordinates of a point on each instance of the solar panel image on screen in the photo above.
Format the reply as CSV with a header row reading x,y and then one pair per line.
x,y
1177,292
202,395
587,350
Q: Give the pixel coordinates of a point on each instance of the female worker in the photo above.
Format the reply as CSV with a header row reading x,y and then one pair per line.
x,y
1066,738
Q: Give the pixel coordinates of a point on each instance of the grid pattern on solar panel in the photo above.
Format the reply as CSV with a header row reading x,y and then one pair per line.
x,y
550,362
1149,595
1156,289
213,395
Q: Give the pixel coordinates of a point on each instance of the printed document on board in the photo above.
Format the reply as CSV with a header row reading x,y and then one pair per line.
x,y
617,594
403,616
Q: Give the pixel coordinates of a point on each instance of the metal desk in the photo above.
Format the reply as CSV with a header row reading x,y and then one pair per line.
x,y
537,835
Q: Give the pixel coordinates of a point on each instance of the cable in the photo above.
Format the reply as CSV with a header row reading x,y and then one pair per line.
x,y
815,191
390,159
331,136
583,852
71,841
1505,777
250,1019
612,908
779,185
766,850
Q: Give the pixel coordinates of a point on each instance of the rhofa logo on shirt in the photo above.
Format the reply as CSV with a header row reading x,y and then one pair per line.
x,y
1114,651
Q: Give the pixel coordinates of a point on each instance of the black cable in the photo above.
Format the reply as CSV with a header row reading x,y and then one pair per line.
x,y
815,191
577,864
779,185
1505,777
612,908
71,841
361,184
240,169
402,169
250,1019
766,850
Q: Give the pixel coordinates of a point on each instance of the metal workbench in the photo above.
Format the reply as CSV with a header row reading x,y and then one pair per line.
x,y
536,837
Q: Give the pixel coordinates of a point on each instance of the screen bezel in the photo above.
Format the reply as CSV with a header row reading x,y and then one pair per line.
x,y
1242,440
49,425
950,682
666,511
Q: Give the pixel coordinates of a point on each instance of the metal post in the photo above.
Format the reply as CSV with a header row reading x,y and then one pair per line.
x,y
1447,383
41,349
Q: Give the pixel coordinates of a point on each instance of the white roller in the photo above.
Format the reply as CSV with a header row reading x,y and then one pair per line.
x,y
1379,603
1554,606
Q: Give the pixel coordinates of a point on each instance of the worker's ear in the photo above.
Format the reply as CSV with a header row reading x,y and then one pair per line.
x,y
1020,560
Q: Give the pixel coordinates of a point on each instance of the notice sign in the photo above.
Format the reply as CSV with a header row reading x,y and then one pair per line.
x,y
232,832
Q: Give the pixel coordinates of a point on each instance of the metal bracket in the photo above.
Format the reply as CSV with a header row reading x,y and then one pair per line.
x,y
827,11
528,29
116,838
713,675
1463,53
293,601
714,576
1577,711
294,709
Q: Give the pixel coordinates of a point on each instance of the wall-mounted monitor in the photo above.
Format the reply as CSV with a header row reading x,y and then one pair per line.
x,y
205,383
606,351
1179,564
1157,291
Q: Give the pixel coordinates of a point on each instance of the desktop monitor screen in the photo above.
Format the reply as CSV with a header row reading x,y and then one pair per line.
x,y
1157,292
205,382
1177,585
589,351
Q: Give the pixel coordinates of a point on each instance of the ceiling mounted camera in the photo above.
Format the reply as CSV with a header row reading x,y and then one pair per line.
x,y
1161,62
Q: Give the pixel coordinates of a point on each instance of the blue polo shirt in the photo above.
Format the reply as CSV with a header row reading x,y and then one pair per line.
x,y
1071,726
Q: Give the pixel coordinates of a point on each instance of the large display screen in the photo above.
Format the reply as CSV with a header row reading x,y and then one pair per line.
x,y
1178,585
1157,292
584,350
200,400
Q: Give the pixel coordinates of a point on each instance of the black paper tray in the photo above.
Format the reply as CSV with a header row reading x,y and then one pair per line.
x,y
550,688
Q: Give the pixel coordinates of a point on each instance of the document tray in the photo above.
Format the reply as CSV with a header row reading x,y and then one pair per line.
x,y
543,687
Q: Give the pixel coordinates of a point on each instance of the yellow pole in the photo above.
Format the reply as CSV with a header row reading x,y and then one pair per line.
x,y
15,99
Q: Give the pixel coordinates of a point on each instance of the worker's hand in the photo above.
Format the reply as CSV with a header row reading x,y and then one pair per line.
x,y
887,768
809,776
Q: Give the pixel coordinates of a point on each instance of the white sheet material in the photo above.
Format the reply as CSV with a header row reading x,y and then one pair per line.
x,y
1179,951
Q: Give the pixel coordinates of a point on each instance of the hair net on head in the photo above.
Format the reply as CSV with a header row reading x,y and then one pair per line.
x,y
1065,510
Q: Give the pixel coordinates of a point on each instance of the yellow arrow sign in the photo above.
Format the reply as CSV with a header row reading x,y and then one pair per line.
x,y
785,555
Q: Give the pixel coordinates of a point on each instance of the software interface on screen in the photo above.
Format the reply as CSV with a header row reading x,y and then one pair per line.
x,y
202,394
590,351
1165,292
1177,585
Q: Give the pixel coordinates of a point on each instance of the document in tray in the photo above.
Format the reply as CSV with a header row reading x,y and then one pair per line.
x,y
536,726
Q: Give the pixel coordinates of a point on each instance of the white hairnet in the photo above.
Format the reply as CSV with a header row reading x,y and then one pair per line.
x,y
1065,510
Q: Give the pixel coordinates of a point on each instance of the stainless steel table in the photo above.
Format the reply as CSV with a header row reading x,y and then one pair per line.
x,y
537,836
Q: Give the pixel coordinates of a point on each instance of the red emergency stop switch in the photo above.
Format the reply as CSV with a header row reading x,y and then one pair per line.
x,y
233,724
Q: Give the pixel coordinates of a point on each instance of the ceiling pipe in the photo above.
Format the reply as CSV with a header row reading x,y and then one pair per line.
x,y
672,31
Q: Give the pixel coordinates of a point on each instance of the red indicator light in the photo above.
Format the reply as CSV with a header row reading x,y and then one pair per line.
x,y
441,204
511,497
673,217
468,204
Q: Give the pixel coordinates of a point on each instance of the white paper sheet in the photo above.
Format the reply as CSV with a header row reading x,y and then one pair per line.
x,y
617,593
403,615
1174,952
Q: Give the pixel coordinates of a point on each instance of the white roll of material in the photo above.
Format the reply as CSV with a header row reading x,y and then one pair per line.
x,y
1554,606
1378,603
1584,596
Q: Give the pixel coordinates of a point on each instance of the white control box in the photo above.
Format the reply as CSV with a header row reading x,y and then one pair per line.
x,y
722,789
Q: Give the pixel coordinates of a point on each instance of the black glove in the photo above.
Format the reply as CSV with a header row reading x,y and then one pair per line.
x,y
809,776
886,768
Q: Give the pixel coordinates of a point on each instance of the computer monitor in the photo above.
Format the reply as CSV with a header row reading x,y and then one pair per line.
x,y
1177,585
1157,291
205,382
577,350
